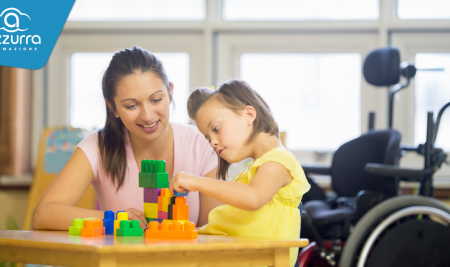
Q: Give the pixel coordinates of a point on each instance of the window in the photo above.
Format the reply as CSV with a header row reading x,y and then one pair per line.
x,y
321,91
138,10
421,9
432,93
286,10
87,106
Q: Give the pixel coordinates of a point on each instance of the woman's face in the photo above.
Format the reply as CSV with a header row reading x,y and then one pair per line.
x,y
142,103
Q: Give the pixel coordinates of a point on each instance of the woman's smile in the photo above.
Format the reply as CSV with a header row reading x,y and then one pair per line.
x,y
149,128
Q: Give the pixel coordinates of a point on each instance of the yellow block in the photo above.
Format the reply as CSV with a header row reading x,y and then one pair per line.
x,y
151,210
121,216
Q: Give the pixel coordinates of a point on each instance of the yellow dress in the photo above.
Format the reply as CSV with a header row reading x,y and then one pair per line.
x,y
280,217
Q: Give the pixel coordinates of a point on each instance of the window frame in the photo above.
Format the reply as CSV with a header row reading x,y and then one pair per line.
x,y
49,87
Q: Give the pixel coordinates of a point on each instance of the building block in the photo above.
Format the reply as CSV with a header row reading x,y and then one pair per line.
x,y
153,180
121,216
153,174
108,222
158,220
170,212
77,225
167,230
180,211
117,213
151,210
92,228
130,228
162,215
151,195
164,200
179,194
149,219
181,221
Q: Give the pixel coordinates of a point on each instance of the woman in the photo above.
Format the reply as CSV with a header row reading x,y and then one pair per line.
x,y
137,93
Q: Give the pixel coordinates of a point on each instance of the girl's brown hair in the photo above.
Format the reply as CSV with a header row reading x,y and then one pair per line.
x,y
235,95
111,139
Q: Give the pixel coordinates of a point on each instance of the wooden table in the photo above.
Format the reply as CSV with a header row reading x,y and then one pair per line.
x,y
60,248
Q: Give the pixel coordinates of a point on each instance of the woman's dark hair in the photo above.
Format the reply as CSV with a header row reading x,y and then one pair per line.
x,y
111,139
235,95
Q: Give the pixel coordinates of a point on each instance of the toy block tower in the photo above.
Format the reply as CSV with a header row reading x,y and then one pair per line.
x,y
153,178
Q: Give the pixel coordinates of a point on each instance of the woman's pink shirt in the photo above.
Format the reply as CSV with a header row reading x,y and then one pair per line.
x,y
192,154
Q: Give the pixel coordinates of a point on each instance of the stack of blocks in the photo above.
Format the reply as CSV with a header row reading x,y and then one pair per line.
x,y
159,204
95,227
87,227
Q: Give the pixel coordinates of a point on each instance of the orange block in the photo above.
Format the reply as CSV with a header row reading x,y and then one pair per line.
x,y
180,211
171,231
93,228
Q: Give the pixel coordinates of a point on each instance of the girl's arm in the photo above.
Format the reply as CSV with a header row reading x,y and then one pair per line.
x,y
269,178
207,203
57,207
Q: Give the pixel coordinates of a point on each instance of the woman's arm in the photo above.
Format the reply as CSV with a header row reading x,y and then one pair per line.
x,y
269,178
207,203
56,208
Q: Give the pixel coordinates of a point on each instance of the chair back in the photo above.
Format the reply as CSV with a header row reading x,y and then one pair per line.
x,y
349,161
56,146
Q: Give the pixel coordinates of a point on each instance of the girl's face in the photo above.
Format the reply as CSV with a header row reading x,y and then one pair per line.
x,y
226,131
142,103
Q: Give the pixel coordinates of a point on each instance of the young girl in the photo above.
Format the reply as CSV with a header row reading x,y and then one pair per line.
x,y
263,199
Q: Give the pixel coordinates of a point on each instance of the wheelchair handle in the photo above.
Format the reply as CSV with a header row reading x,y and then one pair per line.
x,y
396,171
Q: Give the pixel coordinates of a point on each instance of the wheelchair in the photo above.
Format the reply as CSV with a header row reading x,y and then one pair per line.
x,y
367,223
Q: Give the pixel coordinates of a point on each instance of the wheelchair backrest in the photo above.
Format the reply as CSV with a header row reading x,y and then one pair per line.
x,y
347,170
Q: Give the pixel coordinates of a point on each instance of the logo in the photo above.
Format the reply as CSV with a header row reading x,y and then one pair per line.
x,y
16,16
29,30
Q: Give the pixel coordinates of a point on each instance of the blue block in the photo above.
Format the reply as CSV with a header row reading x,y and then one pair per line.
x,y
158,220
178,194
108,222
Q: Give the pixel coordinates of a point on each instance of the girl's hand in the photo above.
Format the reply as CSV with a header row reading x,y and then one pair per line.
x,y
182,181
134,214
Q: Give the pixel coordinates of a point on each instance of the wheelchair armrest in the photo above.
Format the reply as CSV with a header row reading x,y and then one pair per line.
x,y
317,170
393,171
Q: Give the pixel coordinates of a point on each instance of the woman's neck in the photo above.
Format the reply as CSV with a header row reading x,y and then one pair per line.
x,y
151,149
263,144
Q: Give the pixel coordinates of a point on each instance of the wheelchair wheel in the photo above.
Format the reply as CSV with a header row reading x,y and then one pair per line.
x,y
399,235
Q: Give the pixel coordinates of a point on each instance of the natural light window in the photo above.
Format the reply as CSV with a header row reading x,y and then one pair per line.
x,y
87,106
315,97
138,10
432,92
423,9
286,10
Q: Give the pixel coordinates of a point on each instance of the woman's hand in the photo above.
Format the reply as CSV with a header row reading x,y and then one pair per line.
x,y
183,181
134,214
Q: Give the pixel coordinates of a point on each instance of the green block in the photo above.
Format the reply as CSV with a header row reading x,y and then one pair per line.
x,y
77,224
149,220
154,180
129,228
153,166
74,230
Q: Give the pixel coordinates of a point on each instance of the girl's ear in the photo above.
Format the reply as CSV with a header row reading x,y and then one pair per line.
x,y
250,114
171,89
110,107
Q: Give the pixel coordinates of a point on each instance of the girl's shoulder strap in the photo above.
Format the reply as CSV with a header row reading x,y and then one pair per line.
x,y
279,155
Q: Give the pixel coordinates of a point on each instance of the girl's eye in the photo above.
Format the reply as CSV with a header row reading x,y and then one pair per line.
x,y
131,107
216,129
157,100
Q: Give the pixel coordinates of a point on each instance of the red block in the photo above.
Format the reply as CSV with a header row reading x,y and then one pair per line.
x,y
162,215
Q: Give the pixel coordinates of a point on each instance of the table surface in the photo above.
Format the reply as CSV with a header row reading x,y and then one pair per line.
x,y
58,248
61,240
